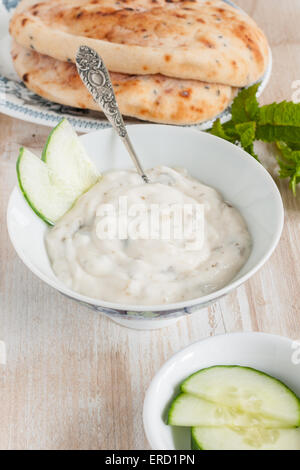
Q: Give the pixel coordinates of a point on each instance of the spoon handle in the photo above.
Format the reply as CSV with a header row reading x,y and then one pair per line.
x,y
95,77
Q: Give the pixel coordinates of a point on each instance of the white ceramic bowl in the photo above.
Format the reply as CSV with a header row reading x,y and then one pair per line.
x,y
242,181
274,355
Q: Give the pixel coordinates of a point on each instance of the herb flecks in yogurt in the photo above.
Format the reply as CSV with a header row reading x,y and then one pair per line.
x,y
148,271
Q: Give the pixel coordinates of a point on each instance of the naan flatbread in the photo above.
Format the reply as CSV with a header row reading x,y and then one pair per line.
x,y
149,97
190,39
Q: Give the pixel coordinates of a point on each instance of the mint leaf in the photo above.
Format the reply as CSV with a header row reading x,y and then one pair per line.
x,y
273,133
219,131
279,122
288,153
246,132
280,114
245,106
289,164
230,129
294,146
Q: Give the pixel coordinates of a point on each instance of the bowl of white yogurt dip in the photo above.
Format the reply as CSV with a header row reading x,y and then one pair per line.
x,y
149,281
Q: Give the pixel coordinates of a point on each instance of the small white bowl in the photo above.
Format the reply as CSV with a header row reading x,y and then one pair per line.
x,y
274,355
239,177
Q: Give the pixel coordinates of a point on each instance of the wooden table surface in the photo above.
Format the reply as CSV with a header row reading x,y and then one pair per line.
x,y
74,379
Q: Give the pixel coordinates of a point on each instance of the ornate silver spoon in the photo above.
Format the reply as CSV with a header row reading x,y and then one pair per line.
x,y
95,77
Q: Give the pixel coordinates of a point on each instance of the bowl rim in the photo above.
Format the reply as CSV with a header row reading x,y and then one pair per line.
x,y
176,306
147,406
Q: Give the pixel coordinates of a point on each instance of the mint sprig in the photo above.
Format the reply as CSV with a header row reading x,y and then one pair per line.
x,y
277,123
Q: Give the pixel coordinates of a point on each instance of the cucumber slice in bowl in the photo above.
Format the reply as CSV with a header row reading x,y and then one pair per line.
x,y
42,189
66,156
53,184
189,411
247,390
205,438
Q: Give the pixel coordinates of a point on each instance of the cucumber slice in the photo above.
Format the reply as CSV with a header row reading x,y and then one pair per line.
x,y
52,185
42,189
189,410
66,156
247,390
205,438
